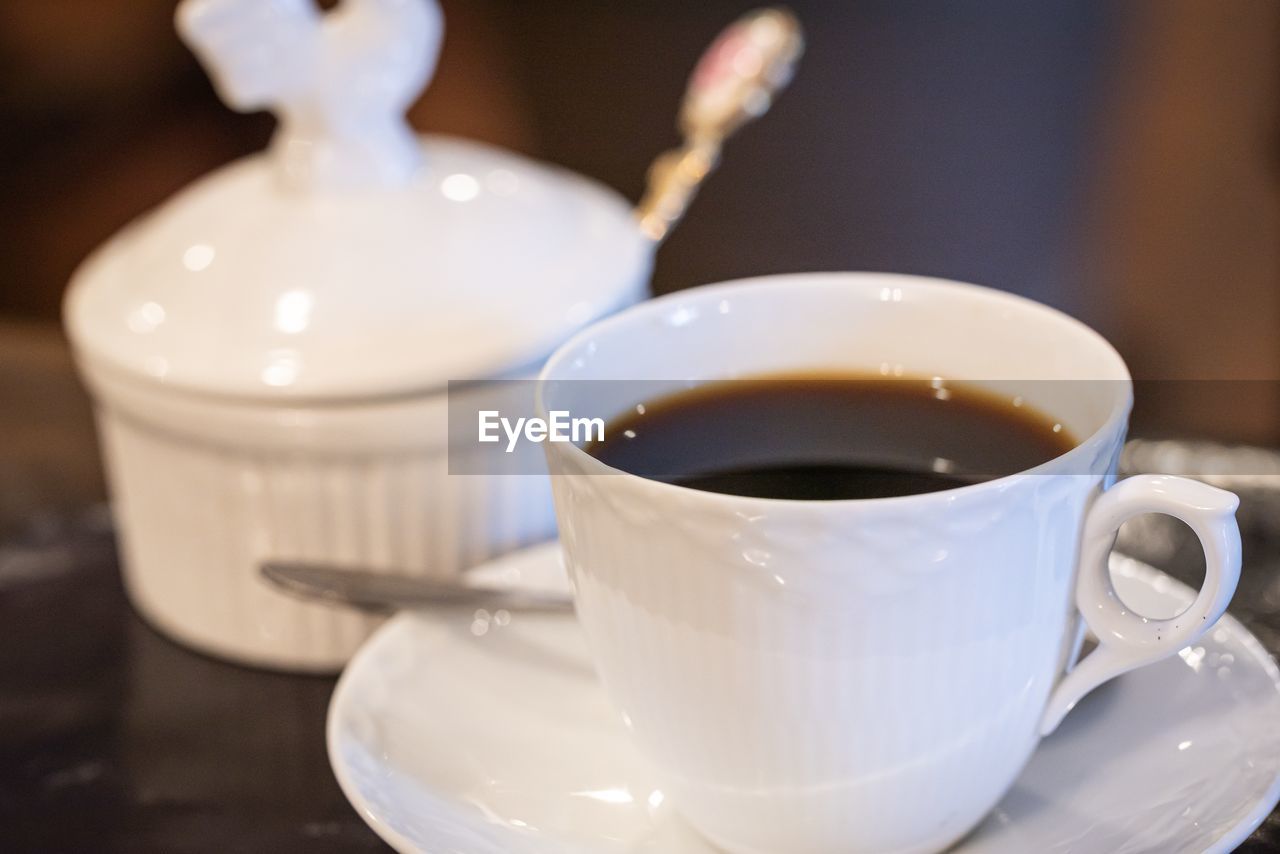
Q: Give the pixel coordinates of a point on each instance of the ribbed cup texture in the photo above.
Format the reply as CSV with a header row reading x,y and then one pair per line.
x,y
856,676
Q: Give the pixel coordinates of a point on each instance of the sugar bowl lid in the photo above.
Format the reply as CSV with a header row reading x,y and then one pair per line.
x,y
352,258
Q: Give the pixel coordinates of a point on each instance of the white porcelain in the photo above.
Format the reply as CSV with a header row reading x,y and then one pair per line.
x,y
821,677
363,485
528,756
339,83
236,288
269,349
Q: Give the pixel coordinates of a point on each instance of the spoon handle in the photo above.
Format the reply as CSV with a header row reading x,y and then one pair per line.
x,y
372,591
735,81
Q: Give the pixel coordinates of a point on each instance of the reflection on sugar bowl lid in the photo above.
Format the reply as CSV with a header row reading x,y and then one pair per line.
x,y
352,258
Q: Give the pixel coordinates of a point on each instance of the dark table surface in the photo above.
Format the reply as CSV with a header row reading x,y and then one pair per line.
x,y
113,738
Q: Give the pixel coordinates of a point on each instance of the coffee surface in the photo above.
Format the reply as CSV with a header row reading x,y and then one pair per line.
x,y
827,437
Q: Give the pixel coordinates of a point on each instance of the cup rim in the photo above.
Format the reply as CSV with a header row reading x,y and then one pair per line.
x,y
1085,447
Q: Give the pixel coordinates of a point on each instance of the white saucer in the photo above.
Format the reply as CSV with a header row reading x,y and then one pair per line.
x,y
483,734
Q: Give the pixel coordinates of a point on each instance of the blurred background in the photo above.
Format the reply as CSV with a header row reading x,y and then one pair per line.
x,y
1120,160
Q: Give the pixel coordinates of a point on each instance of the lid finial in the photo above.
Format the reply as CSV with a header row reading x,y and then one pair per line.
x,y
339,82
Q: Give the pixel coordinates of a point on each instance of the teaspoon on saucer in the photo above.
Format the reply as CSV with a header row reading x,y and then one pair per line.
x,y
371,591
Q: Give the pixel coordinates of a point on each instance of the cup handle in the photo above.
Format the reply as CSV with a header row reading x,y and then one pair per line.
x,y
1127,640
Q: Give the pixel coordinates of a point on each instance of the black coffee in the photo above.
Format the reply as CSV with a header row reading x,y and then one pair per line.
x,y
830,437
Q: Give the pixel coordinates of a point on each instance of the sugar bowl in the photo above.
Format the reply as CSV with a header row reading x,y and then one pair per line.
x,y
268,350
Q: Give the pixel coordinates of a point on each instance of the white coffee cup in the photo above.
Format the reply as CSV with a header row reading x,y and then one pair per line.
x,y
863,675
